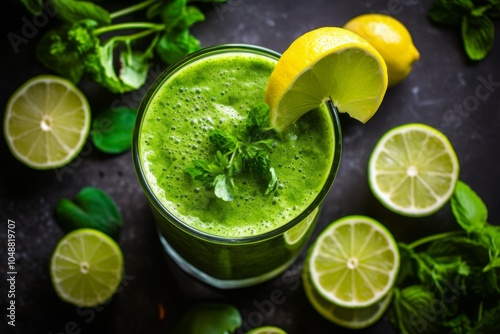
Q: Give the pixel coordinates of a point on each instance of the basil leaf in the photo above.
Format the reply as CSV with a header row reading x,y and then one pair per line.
x,y
112,130
468,208
209,318
91,208
75,11
477,35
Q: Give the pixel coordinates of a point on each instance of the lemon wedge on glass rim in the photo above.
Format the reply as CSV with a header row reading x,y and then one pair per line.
x,y
326,63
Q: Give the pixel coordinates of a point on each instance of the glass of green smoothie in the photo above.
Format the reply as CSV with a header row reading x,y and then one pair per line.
x,y
253,237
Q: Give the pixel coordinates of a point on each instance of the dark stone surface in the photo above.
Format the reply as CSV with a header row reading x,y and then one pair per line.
x,y
441,79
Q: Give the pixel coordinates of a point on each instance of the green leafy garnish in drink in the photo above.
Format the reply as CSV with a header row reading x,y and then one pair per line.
x,y
236,155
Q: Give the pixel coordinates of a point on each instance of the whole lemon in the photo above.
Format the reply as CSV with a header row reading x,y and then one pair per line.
x,y
391,39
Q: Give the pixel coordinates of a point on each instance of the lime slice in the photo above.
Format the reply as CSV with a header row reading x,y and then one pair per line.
x,y
353,318
46,122
413,170
326,63
86,267
267,330
354,262
296,233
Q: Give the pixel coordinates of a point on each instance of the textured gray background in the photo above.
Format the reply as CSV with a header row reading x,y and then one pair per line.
x,y
441,79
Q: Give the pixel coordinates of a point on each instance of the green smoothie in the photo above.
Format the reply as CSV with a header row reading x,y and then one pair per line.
x,y
217,91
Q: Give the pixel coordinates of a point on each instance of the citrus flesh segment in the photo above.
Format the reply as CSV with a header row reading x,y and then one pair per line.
x,y
86,267
353,318
326,63
47,122
267,330
354,262
413,169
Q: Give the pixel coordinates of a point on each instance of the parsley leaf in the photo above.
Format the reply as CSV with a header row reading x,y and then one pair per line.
x,y
235,155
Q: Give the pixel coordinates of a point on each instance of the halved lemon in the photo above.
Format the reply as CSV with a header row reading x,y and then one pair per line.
x,y
326,63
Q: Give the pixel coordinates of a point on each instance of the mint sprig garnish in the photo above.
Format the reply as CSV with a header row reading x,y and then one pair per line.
x,y
456,272
473,18
236,155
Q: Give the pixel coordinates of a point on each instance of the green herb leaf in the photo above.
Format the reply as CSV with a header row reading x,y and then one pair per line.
x,y
176,44
65,49
411,310
222,188
258,116
234,156
209,318
112,130
91,208
468,208
75,11
488,322
34,6
223,141
449,12
477,35
272,186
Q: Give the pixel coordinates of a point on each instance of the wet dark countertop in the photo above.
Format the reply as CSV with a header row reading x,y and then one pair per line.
x,y
442,83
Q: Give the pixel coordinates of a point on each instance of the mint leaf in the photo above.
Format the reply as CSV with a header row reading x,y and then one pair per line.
x,y
112,130
91,208
209,318
411,313
449,12
477,35
468,208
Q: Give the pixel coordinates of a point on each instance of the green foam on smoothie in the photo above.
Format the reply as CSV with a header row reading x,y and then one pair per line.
x,y
218,92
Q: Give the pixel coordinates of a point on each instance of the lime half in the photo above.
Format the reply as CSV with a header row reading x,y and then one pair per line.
x,y
86,267
326,63
354,262
353,318
413,169
47,122
267,330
